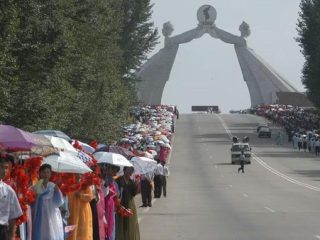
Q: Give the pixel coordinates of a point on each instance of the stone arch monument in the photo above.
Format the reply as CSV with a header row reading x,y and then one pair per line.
x,y
262,80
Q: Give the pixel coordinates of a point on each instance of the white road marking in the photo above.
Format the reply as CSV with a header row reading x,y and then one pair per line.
x,y
270,209
262,163
245,195
140,219
230,185
225,126
265,165
215,166
317,236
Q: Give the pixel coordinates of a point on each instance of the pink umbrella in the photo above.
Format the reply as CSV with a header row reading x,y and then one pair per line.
x,y
14,139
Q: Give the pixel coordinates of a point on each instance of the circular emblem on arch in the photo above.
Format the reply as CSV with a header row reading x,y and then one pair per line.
x,y
207,14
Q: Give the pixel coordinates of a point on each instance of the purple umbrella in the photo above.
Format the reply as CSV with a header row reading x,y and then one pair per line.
x,y
15,139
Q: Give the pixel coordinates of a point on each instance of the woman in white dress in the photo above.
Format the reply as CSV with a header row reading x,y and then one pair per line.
x,y
46,217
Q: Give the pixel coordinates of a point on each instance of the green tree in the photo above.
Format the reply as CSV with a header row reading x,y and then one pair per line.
x,y
309,40
36,49
62,63
98,99
8,28
138,35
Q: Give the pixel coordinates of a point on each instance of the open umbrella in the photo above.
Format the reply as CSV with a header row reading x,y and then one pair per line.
x,y
54,133
85,147
61,144
112,158
67,163
120,150
143,165
15,139
64,146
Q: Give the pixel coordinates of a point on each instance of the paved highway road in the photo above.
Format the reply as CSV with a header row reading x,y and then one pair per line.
x,y
278,196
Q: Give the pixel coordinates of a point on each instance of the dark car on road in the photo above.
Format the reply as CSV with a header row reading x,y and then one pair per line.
x,y
264,131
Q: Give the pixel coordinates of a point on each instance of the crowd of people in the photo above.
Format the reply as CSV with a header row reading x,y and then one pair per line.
x,y
301,125
99,205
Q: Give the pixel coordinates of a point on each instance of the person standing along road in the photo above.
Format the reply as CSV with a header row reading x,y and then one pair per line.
x,y
242,159
46,216
317,146
80,213
10,208
279,139
127,228
146,189
299,142
165,174
158,180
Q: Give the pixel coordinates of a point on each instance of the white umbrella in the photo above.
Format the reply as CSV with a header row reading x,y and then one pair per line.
x,y
143,165
54,133
66,162
61,144
86,147
112,158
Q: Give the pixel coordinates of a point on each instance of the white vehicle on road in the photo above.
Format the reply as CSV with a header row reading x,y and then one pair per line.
x,y
236,150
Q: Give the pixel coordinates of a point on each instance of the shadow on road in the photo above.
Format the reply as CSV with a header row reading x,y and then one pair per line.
x,y
224,164
212,135
284,155
309,173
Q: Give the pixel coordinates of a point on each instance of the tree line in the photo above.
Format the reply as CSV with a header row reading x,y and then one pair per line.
x,y
308,27
69,64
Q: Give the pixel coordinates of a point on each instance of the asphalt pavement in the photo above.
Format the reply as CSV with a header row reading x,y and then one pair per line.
x,y
278,196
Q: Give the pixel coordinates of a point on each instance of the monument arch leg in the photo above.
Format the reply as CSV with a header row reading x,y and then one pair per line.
x,y
262,80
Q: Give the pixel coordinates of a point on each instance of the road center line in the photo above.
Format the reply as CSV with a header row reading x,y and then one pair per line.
x,y
245,195
289,179
270,209
225,126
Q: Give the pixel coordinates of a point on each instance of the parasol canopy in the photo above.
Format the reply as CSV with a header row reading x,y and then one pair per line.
x,y
54,133
66,163
61,144
120,150
143,165
112,158
15,139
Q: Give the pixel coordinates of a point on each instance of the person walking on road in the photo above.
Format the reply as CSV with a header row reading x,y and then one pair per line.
x,y
242,159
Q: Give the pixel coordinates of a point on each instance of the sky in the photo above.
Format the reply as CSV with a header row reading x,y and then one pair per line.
x,y
206,71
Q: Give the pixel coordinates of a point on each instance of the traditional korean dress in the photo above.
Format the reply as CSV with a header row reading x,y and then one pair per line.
x,y
81,215
46,217
127,228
